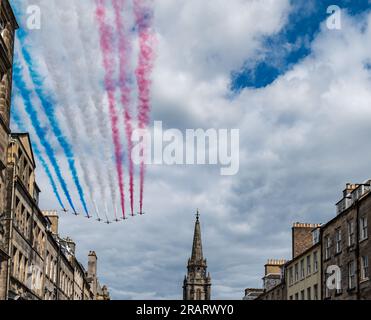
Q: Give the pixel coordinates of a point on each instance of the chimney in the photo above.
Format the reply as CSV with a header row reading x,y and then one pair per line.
x,y
71,244
349,187
54,220
92,272
274,266
273,273
92,264
302,238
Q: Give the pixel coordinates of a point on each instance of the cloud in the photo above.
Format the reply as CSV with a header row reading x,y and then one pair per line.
x,y
302,138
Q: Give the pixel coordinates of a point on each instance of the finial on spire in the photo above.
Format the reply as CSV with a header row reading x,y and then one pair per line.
x,y
197,215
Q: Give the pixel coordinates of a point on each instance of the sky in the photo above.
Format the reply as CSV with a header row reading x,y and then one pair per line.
x,y
297,90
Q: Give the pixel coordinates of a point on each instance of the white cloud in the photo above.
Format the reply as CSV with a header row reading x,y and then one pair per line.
x,y
302,138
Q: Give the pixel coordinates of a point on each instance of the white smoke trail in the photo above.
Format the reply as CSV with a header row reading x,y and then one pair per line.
x,y
85,94
90,62
63,92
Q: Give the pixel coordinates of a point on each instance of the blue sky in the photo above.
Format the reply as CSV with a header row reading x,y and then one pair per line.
x,y
303,115
283,50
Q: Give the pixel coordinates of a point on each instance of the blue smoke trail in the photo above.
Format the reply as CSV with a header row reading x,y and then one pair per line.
x,y
37,152
41,133
47,105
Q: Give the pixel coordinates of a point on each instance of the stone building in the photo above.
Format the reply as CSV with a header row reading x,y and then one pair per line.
x,y
299,278
51,268
40,264
303,272
70,280
274,287
346,245
8,25
26,227
197,282
273,272
329,261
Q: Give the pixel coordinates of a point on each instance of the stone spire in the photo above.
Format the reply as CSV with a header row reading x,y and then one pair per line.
x,y
197,282
197,242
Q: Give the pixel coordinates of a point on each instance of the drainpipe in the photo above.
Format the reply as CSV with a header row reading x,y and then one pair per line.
x,y
357,252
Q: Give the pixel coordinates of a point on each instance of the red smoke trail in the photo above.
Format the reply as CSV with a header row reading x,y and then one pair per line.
x,y
143,11
106,40
124,55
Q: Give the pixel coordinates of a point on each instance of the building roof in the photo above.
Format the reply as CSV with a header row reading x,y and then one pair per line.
x,y
346,211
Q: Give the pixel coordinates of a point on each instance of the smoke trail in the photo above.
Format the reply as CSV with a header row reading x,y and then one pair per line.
x,y
63,90
143,12
101,119
60,89
48,108
124,55
106,47
41,133
37,152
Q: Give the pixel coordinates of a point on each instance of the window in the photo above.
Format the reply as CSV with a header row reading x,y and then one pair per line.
x,y
309,293
309,265
338,240
14,261
351,236
363,228
315,292
291,298
328,247
315,235
351,274
364,268
291,276
302,295
315,261
47,263
296,272
302,270
296,296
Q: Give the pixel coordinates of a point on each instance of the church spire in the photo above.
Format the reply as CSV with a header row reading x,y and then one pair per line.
x,y
197,242
197,283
